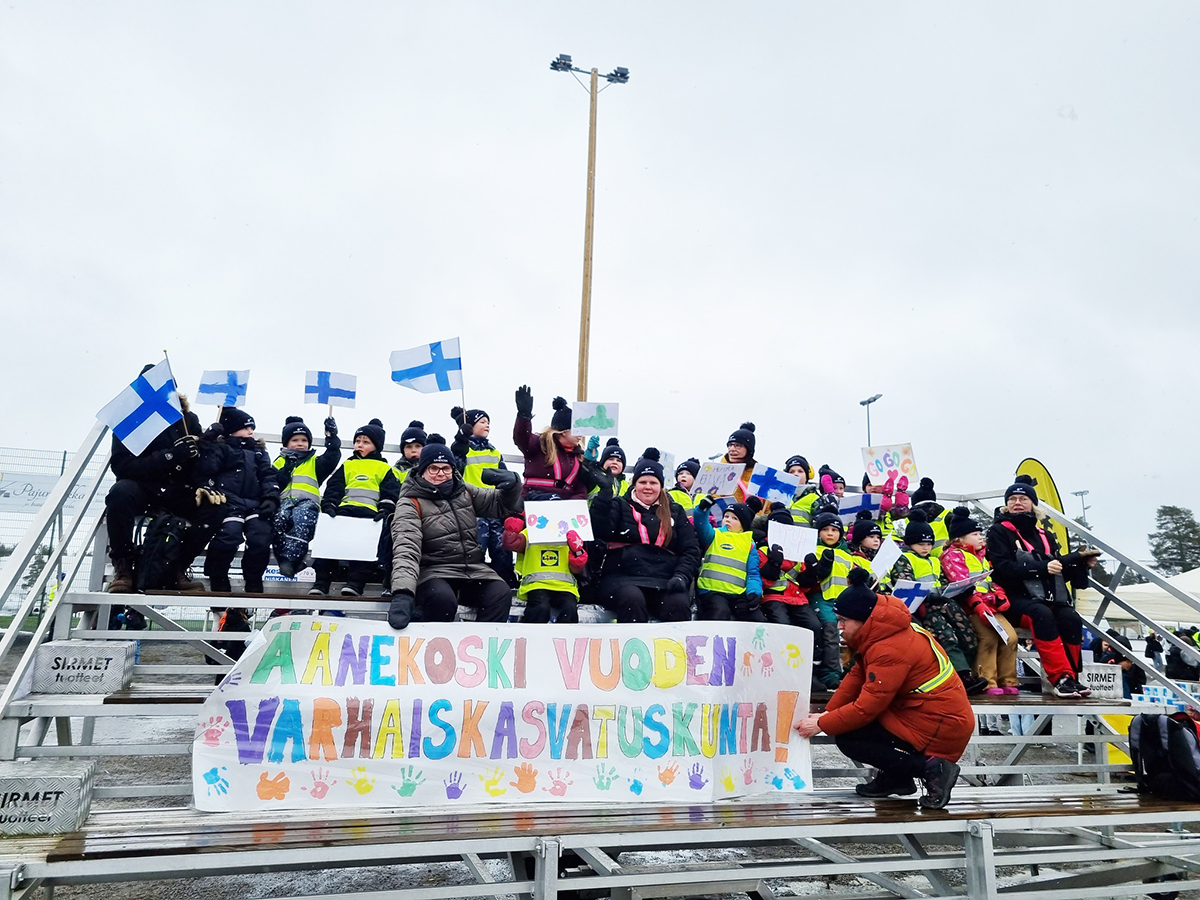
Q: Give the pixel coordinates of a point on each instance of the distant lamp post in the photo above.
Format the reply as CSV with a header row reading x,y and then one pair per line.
x,y
867,403
619,75
1083,507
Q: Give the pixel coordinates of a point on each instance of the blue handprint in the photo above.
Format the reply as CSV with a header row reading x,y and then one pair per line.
x,y
797,781
215,782
232,679
776,781
635,785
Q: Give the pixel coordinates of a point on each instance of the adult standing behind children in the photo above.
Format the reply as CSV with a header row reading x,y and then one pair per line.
x,y
437,562
740,449
900,708
653,555
554,459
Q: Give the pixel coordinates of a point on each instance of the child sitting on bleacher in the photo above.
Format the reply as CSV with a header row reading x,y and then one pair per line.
x,y
806,493
548,574
729,585
784,601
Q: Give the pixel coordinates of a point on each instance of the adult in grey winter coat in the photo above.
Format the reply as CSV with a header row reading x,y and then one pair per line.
x,y
436,559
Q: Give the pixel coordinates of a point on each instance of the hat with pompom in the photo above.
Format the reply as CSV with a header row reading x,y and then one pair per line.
x,y
744,435
374,432
435,451
611,449
924,492
648,464
829,520
414,434
292,426
689,465
918,531
469,416
856,601
1023,486
959,523
561,420
744,514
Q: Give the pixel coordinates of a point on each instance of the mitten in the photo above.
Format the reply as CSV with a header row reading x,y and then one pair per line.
x,y
575,542
524,402
498,478
330,427
775,556
267,507
593,445
826,484
515,524
212,432
380,515
677,583
704,504
330,509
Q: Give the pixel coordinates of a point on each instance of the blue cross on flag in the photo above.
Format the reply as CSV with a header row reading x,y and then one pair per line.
x,y
224,387
429,368
912,593
771,485
850,505
330,388
145,409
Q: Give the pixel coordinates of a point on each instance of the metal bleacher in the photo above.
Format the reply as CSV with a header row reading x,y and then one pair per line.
x,y
1046,819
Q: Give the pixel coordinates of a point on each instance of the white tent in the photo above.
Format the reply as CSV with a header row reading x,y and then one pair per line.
x,y
1148,599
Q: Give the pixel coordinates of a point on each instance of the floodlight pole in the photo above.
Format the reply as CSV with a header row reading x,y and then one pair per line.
x,y
585,309
867,403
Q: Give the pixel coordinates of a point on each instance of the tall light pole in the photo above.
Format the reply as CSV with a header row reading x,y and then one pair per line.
x,y
1083,506
867,403
618,75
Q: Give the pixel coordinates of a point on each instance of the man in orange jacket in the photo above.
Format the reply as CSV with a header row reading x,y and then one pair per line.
x,y
901,708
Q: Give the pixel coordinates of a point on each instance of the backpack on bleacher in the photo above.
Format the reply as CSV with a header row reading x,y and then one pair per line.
x,y
1166,755
162,550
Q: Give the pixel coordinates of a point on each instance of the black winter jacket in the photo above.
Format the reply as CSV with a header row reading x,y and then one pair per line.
x,y
240,468
1014,575
335,490
160,463
628,560
326,462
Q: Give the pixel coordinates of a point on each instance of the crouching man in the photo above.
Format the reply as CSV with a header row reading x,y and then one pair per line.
x,y
901,708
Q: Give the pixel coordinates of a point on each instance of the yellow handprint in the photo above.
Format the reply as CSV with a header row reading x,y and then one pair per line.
x,y
359,781
727,779
793,656
491,783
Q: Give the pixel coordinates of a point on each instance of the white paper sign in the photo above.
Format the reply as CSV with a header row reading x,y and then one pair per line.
x,y
890,460
548,521
594,418
990,617
954,588
346,537
795,540
718,479
325,712
885,557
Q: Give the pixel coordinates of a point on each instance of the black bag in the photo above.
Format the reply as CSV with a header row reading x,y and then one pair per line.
x,y
1166,755
161,561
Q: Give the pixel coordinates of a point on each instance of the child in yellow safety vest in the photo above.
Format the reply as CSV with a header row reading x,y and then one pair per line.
x,y
300,473
964,557
824,577
475,453
412,442
548,574
940,615
729,585
806,495
685,479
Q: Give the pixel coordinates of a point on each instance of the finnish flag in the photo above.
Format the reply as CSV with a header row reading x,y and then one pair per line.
x,y
850,505
912,593
771,485
330,388
145,409
429,368
224,387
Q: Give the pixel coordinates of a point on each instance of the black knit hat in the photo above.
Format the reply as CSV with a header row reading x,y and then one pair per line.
x,y
797,460
234,419
856,601
826,519
918,531
691,465
414,434
864,526
744,514
434,452
292,426
1024,486
924,492
613,448
470,416
783,516
561,420
833,476
374,432
648,464
959,522
744,436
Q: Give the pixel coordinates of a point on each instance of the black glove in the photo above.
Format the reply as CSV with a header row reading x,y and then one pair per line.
x,y
524,402
825,565
381,514
330,427
597,477
267,507
810,561
704,504
186,447
401,609
775,556
212,432
330,509
677,583
498,478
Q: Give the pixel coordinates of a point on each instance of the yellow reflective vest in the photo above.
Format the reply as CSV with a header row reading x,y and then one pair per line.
x,y
723,570
544,567
304,484
941,532
684,499
363,478
802,507
926,570
838,579
478,460
945,668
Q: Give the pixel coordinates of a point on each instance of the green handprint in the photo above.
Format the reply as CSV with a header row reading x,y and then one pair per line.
x,y
760,637
602,779
409,782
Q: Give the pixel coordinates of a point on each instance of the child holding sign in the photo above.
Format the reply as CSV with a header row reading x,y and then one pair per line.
x,y
729,585
784,601
996,658
548,574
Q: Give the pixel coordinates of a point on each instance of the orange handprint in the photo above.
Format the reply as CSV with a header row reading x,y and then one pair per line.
x,y
273,788
666,776
526,781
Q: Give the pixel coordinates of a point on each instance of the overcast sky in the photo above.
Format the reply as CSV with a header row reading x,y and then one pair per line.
x,y
987,213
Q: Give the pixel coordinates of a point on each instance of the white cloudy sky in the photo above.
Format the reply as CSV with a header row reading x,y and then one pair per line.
x,y
987,212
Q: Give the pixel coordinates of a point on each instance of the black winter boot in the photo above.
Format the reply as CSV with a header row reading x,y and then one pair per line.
x,y
887,784
939,778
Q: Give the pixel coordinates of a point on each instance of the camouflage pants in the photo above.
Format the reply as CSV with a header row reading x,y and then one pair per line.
x,y
947,622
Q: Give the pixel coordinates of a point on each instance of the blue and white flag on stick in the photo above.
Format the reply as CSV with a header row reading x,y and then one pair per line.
x,y
429,368
145,409
330,388
224,387
770,484
850,505
912,593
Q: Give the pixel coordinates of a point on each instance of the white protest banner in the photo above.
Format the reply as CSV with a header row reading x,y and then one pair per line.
x,y
26,492
346,537
796,541
772,485
326,712
594,418
990,617
889,460
548,521
718,479
885,557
